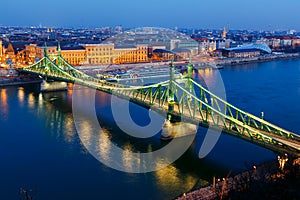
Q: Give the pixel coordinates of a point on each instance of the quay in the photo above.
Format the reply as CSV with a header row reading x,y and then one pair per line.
x,y
196,62
265,58
224,188
19,80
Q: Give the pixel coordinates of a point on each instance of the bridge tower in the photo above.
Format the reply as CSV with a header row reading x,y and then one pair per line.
x,y
59,54
189,75
46,86
171,96
45,50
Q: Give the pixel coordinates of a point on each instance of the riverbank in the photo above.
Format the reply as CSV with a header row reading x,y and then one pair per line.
x,y
180,64
266,181
19,80
265,58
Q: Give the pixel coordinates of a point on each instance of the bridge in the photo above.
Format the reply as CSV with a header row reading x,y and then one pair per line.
x,y
183,99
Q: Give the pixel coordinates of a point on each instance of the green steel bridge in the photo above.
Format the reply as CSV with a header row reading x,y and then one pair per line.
x,y
182,99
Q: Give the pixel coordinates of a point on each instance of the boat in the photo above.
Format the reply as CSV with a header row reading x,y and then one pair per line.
x,y
217,67
111,79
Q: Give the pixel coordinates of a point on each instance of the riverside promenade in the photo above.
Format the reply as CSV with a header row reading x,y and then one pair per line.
x,y
235,61
269,172
19,80
200,62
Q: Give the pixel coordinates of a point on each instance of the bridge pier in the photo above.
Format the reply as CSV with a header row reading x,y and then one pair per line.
x,y
53,86
171,130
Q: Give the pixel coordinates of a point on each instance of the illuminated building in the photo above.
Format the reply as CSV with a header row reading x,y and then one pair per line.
x,y
206,45
74,55
130,54
1,52
87,54
243,53
10,53
162,55
99,53
295,43
247,51
224,33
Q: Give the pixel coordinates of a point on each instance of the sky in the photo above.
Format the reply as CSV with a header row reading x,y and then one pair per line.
x,y
238,14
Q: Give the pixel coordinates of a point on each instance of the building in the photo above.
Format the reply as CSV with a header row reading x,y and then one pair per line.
x,y
281,43
182,54
1,52
74,55
99,54
206,46
224,33
296,43
130,54
162,55
242,53
10,54
247,51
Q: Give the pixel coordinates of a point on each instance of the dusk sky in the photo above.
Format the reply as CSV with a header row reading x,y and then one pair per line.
x,y
239,14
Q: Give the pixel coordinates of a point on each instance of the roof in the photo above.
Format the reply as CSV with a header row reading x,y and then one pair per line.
x,y
161,51
281,37
10,48
262,47
127,46
245,50
181,50
73,48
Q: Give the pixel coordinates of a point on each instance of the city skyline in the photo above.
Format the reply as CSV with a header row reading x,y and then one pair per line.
x,y
257,15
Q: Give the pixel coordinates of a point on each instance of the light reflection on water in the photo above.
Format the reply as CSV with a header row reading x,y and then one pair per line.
x,y
171,179
3,104
21,95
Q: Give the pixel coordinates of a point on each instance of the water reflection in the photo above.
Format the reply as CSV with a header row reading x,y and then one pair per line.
x,y
104,145
40,101
206,75
3,104
50,107
21,96
31,101
173,181
128,160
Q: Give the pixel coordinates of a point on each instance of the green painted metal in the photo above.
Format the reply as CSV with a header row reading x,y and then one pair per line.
x,y
186,98
45,50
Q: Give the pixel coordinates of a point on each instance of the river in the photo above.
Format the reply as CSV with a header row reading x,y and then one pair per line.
x,y
41,152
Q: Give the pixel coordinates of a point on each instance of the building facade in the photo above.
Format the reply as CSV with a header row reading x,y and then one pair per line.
x,y
99,54
74,55
242,53
130,54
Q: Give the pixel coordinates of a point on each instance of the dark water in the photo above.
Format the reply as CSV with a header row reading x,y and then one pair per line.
x,y
41,151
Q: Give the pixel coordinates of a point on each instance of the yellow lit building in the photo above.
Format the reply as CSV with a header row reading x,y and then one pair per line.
x,y
224,33
74,55
130,54
1,52
99,53
10,53
87,54
142,53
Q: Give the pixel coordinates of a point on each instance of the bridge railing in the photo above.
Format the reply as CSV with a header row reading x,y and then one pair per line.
x,y
240,115
209,115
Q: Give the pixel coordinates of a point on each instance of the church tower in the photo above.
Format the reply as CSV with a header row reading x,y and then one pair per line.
x,y
1,49
1,52
224,33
